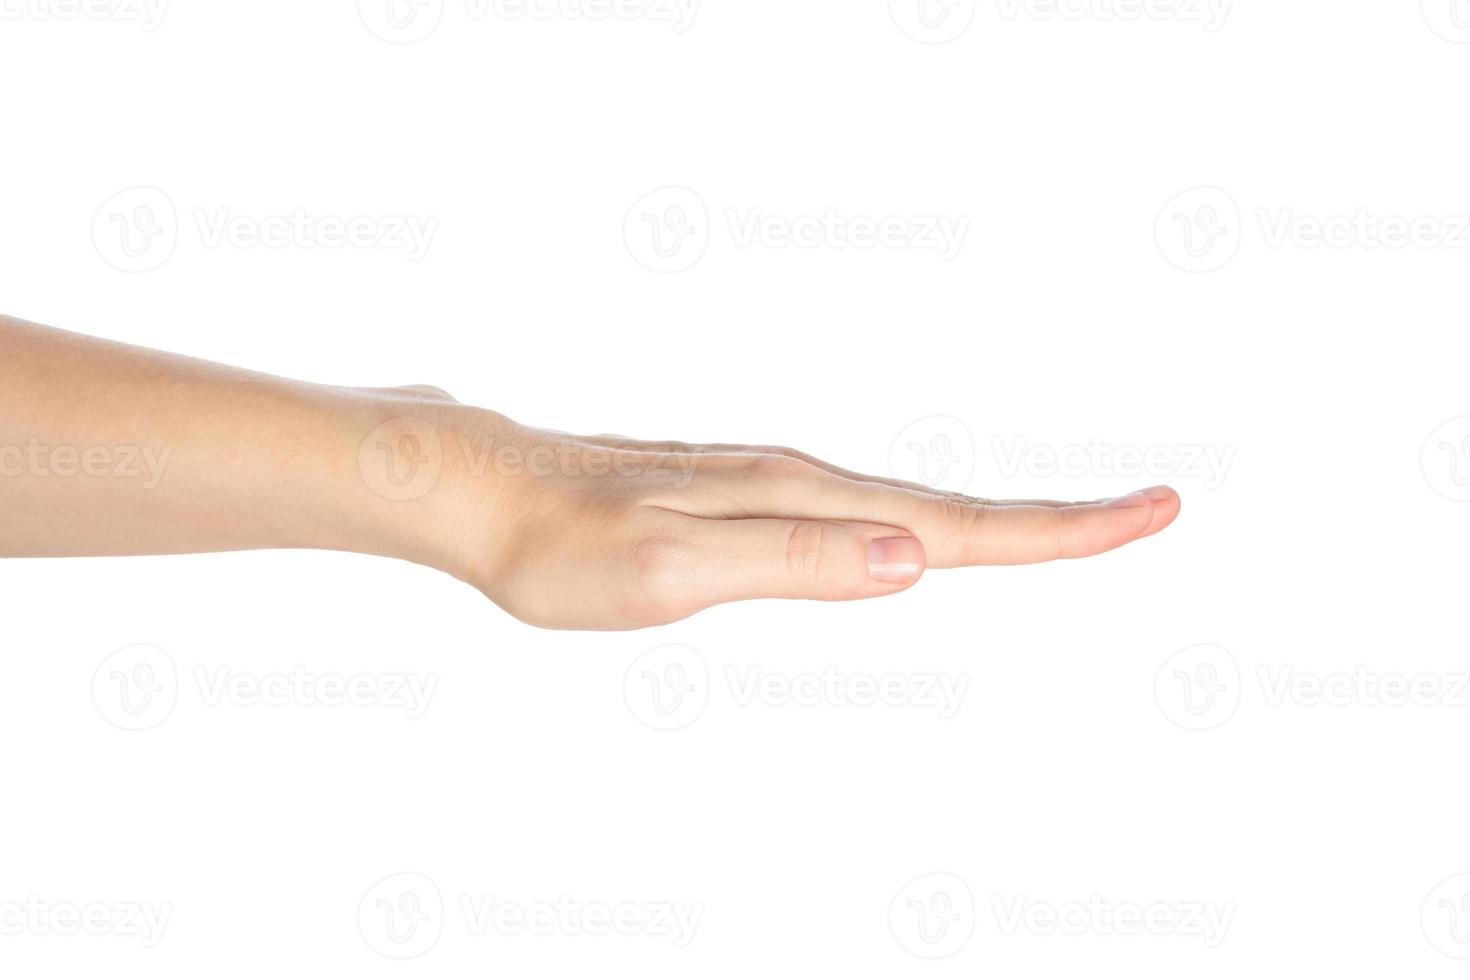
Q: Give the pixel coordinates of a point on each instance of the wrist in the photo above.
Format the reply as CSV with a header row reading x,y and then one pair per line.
x,y
430,484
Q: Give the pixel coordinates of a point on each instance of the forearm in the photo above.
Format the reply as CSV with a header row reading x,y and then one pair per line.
x,y
107,449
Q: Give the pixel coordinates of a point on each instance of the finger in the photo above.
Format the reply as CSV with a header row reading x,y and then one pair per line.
x,y
954,531
615,441
1166,508
782,559
959,534
736,450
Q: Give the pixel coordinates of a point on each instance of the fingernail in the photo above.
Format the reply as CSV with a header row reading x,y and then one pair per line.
x,y
1158,494
1131,500
895,559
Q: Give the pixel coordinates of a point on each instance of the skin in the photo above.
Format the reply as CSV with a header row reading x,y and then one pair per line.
x,y
107,449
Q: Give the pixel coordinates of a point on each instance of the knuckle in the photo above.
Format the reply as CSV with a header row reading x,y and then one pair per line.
x,y
658,563
778,466
431,391
966,521
649,588
807,550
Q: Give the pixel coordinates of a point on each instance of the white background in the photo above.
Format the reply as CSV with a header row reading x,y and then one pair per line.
x,y
1330,545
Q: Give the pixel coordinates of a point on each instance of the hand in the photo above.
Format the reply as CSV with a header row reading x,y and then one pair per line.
x,y
576,532
606,532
